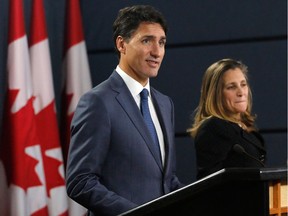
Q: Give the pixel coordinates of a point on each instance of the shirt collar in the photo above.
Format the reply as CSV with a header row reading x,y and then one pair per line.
x,y
134,86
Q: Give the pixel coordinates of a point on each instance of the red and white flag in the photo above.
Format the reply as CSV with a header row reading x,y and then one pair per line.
x,y
20,148
45,111
77,78
75,67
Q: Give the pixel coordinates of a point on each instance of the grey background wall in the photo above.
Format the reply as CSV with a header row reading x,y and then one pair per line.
x,y
200,33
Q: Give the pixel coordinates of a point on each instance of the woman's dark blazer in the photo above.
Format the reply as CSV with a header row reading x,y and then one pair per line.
x,y
214,144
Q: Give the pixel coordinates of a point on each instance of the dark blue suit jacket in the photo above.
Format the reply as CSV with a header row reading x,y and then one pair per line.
x,y
111,165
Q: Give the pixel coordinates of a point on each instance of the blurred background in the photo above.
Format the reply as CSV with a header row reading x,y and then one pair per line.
x,y
200,33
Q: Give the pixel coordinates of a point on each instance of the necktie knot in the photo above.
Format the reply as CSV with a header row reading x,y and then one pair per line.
x,y
144,94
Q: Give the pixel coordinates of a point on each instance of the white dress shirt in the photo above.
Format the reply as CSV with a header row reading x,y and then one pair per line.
x,y
135,88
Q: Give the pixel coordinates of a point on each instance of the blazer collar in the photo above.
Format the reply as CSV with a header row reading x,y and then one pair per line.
x,y
253,137
129,105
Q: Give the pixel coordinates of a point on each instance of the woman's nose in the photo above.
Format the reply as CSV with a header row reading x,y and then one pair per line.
x,y
239,91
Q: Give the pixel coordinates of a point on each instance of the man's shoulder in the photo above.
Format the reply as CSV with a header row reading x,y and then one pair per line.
x,y
157,93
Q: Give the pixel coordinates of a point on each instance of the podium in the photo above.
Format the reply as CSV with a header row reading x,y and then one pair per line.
x,y
228,192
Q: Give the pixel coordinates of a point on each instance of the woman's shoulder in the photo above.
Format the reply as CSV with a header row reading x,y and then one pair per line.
x,y
215,121
218,125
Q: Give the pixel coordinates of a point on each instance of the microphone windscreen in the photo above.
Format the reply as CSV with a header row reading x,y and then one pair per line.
x,y
239,149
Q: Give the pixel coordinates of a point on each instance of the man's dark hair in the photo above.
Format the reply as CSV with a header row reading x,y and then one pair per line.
x,y
129,19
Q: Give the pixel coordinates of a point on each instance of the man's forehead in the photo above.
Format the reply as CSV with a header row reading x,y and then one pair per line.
x,y
150,30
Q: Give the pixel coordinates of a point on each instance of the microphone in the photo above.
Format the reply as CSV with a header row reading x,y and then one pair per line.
x,y
239,149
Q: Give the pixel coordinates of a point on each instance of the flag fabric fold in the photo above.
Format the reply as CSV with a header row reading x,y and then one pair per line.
x,y
75,68
45,110
77,79
32,165
20,152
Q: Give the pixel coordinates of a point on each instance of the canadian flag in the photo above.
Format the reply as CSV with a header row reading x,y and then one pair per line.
x,y
45,110
20,148
75,67
77,78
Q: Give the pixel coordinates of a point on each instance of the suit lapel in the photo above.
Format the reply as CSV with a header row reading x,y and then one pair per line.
x,y
250,137
162,113
128,104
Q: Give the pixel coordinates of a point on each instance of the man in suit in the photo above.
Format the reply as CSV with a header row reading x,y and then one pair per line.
x,y
114,164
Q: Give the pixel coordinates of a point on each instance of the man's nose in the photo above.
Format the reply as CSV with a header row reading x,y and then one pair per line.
x,y
156,50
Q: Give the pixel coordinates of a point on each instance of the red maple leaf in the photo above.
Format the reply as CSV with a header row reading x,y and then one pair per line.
x,y
19,133
47,128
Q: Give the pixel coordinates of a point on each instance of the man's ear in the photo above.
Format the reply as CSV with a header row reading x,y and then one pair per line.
x,y
120,43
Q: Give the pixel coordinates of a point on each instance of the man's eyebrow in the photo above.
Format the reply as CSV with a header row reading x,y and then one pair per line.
x,y
152,36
